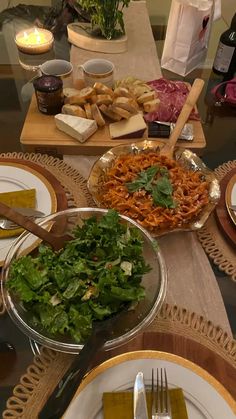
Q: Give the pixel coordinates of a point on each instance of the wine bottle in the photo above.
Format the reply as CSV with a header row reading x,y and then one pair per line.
x,y
225,59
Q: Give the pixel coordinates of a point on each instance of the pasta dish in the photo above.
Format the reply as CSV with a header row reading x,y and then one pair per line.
x,y
154,190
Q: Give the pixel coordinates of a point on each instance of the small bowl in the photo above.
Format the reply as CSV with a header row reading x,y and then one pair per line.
x,y
154,282
185,158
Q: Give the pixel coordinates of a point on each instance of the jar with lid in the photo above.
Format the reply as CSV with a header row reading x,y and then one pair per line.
x,y
49,94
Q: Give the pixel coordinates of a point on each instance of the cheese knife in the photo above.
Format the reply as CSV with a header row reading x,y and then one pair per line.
x,y
140,403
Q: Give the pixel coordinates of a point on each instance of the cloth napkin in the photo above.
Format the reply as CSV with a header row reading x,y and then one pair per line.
x,y
24,199
119,405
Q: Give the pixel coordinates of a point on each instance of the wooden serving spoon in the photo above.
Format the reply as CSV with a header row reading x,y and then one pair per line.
x,y
57,242
194,93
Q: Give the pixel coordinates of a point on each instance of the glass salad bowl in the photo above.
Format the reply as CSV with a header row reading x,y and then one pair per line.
x,y
138,316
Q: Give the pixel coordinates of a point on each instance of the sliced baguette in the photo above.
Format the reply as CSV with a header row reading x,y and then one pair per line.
x,y
127,107
122,91
108,112
146,97
104,100
74,110
88,111
102,89
87,93
121,112
75,100
97,116
70,91
151,106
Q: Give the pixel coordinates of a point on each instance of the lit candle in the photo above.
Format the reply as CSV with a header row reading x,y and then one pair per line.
x,y
34,41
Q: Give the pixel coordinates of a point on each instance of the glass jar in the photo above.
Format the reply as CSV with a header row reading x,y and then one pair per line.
x,y
49,94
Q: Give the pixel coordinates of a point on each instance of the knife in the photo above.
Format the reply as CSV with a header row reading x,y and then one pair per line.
x,y
140,403
29,212
233,207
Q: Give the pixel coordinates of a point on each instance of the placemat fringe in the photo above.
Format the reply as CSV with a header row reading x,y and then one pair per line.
x,y
48,367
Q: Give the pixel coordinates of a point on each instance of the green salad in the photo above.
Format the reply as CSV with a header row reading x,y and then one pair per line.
x,y
94,276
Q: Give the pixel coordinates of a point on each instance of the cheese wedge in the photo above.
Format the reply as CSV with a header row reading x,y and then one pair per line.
x,y
134,127
79,128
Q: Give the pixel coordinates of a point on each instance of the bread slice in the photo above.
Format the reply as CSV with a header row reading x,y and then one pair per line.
x,y
122,91
70,91
87,93
97,116
151,106
122,112
146,97
88,111
74,110
75,100
127,107
108,112
104,100
102,89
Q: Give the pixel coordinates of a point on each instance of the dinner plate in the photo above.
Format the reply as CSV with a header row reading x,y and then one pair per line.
x,y
15,176
205,397
230,197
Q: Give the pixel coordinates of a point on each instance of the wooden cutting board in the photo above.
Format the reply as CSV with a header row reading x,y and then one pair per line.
x,y
40,135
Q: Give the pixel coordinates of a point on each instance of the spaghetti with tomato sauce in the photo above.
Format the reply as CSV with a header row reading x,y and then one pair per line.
x,y
190,192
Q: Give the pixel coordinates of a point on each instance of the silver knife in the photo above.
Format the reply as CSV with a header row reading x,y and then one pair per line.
x,y
29,212
140,403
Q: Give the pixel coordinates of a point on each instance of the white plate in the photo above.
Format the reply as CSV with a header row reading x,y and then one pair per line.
x,y
205,397
230,197
16,177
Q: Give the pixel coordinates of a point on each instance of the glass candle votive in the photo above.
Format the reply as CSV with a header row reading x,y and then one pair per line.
x,y
34,40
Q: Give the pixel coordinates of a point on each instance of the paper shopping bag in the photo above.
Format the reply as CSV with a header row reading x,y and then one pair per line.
x,y
187,35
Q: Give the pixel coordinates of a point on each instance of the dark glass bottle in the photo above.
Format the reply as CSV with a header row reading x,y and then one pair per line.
x,y
225,59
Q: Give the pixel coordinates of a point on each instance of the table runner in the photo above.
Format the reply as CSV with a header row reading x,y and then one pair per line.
x,y
140,60
47,369
192,283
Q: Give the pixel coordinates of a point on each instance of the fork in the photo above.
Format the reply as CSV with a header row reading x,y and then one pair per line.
x,y
6,224
160,396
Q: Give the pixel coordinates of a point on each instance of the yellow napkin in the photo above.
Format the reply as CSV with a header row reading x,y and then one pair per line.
x,y
23,199
119,405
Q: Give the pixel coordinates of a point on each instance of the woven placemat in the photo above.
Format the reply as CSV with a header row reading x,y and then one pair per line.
x,y
40,378
213,241
71,180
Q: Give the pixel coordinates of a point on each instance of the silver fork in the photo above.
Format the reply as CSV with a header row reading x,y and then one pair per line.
x,y
160,396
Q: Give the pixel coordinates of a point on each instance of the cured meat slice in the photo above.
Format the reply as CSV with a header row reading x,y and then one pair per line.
x,y
172,96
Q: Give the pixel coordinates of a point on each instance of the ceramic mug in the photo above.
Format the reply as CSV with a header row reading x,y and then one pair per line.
x,y
60,68
98,70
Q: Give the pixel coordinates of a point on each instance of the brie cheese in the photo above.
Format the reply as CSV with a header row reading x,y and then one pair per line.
x,y
79,128
134,127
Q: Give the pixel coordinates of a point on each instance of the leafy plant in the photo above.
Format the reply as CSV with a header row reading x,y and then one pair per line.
x,y
107,15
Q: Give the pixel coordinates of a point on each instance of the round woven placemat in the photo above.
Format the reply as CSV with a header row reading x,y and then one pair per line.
x,y
73,183
213,241
46,370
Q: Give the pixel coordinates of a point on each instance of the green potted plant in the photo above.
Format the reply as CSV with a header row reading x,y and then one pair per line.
x,y
106,16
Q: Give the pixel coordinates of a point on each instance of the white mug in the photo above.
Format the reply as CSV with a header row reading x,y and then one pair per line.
x,y
98,70
60,68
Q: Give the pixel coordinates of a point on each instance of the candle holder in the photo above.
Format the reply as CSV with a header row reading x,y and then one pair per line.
x,y
34,40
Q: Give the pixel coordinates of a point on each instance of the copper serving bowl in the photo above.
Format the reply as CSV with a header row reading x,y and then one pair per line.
x,y
185,158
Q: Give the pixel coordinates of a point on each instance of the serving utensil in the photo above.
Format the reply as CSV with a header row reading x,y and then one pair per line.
x,y
61,396
57,242
194,93
6,224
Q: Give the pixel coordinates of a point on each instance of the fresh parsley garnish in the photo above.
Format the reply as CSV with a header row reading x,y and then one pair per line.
x,y
94,276
160,189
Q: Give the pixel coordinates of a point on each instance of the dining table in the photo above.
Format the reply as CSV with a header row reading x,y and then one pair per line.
x,y
197,318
